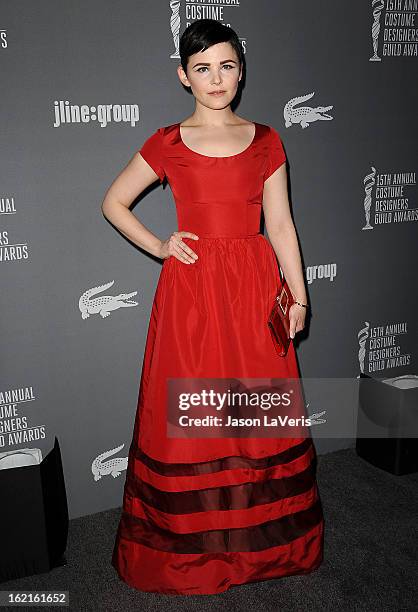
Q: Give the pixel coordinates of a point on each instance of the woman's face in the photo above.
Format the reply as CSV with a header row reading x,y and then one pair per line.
x,y
215,69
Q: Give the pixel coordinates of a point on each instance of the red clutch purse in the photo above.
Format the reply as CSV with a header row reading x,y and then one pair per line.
x,y
278,321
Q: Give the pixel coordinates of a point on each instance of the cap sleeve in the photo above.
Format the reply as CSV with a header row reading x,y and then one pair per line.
x,y
152,152
276,155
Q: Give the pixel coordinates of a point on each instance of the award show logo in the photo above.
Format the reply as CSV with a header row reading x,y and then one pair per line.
x,y
328,271
305,115
380,347
10,251
103,304
113,467
399,28
192,10
15,428
391,198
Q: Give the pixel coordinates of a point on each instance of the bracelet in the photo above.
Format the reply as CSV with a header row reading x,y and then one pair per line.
x,y
300,304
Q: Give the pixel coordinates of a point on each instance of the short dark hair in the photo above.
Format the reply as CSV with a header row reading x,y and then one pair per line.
x,y
202,34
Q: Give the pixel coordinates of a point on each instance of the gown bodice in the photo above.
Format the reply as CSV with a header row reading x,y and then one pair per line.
x,y
215,196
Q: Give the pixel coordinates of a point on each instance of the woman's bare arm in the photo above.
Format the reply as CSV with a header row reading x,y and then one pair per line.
x,y
282,233
132,180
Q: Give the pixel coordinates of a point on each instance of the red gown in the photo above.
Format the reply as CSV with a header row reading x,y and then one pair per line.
x,y
202,515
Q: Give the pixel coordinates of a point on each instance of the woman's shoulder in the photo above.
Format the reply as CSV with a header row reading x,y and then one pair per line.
x,y
272,137
166,129
265,130
269,129
162,130
158,137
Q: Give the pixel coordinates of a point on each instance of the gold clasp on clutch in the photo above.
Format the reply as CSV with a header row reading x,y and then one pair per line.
x,y
283,292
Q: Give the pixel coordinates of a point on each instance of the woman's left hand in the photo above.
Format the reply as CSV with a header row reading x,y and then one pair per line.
x,y
297,316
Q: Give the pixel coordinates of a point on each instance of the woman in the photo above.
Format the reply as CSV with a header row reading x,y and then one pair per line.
x,y
206,511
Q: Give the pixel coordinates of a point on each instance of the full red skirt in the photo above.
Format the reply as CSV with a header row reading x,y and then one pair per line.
x,y
202,515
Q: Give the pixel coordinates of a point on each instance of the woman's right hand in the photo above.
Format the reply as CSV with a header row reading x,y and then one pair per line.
x,y
174,246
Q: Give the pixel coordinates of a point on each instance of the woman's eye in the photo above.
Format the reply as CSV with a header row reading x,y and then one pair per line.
x,y
205,67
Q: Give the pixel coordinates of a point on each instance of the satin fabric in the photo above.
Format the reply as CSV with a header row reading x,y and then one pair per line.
x,y
202,515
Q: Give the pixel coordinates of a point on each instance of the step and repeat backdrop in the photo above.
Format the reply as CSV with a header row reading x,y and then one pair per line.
x,y
83,86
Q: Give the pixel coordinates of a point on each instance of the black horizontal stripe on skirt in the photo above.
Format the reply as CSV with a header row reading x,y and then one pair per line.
x,y
249,539
228,497
222,464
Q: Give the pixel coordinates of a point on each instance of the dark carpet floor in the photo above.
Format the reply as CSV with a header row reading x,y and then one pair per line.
x,y
370,555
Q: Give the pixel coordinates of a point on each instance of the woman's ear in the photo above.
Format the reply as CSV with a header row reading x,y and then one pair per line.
x,y
182,76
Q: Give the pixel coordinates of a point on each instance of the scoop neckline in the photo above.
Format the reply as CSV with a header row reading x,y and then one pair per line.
x,y
218,156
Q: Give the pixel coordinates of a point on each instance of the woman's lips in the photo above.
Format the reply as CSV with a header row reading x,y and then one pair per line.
x,y
216,93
